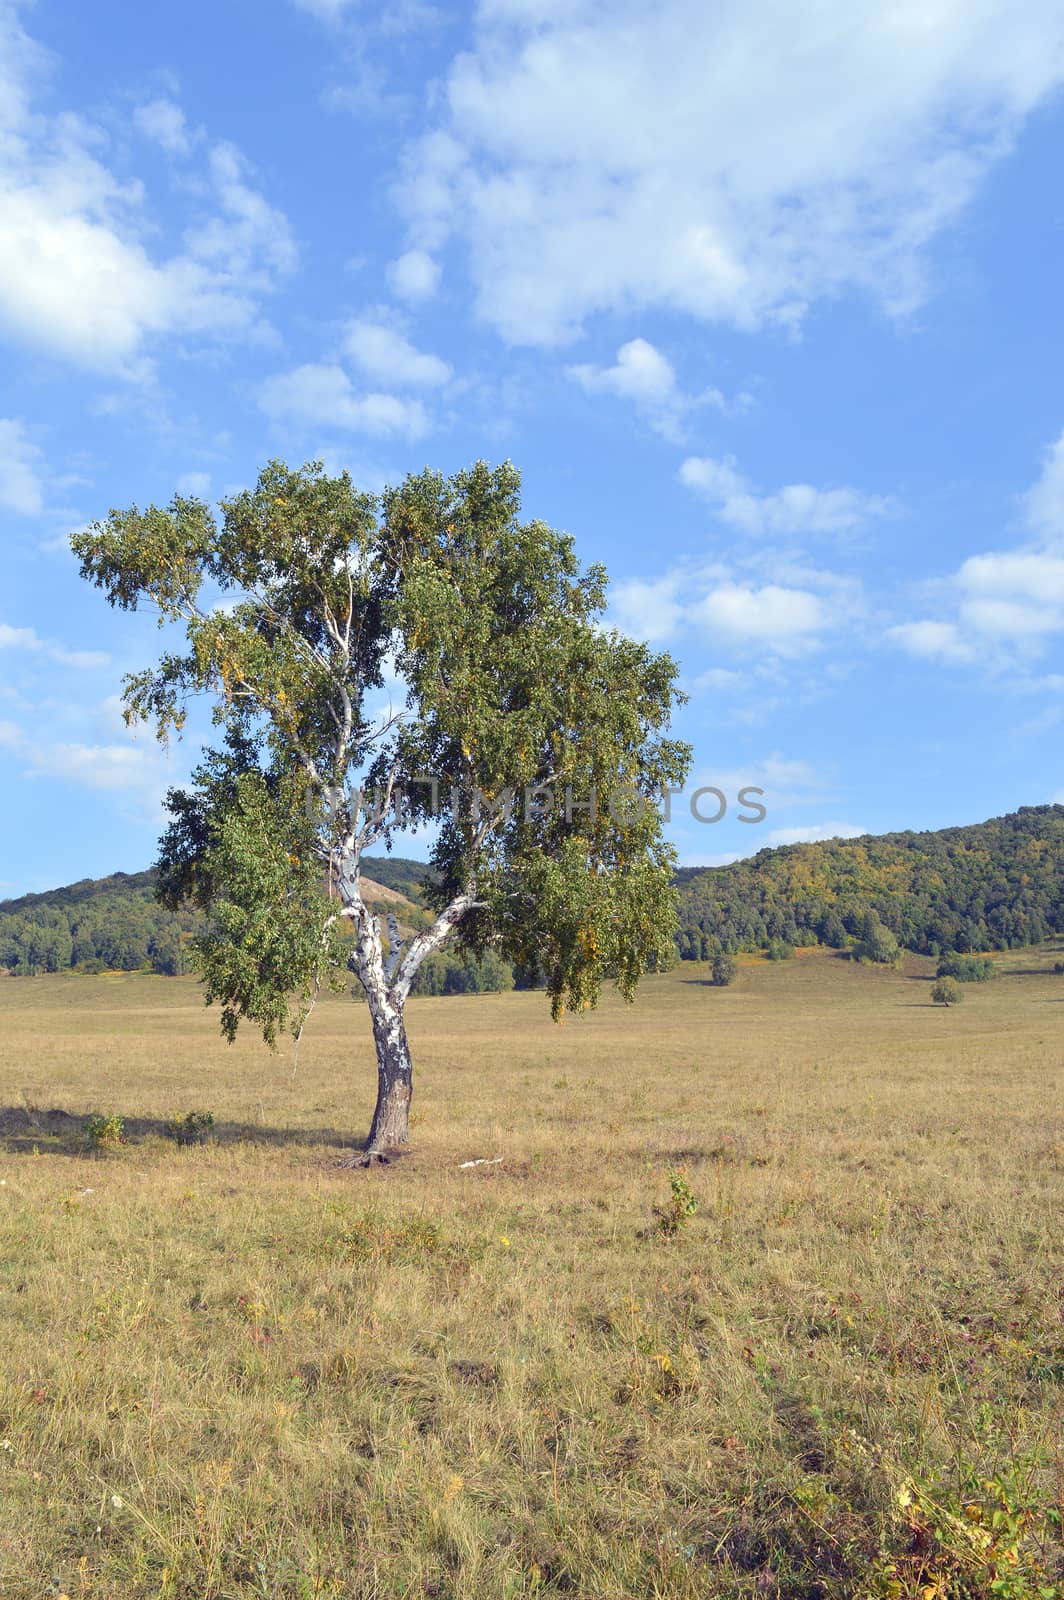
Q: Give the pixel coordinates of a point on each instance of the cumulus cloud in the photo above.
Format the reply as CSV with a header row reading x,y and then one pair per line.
x,y
730,162
414,275
384,355
933,641
783,619
21,490
648,608
321,395
1006,603
718,609
796,508
643,375
79,275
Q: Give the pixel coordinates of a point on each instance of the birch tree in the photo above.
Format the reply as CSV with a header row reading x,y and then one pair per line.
x,y
534,737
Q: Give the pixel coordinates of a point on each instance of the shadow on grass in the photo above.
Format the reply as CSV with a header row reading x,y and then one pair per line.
x,y
63,1133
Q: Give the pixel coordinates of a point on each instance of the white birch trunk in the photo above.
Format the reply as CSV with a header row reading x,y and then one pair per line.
x,y
387,984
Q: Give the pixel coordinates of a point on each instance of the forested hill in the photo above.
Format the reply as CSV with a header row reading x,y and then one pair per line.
x,y
989,886
116,923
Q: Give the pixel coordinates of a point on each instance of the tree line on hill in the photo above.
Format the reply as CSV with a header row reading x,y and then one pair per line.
x,y
96,925
994,885
116,924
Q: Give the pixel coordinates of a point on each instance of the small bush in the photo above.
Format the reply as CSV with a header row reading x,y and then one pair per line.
x,y
779,950
1058,968
104,1133
946,992
724,969
192,1128
679,1209
965,969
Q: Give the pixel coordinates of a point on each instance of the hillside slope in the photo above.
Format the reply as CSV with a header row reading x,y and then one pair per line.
x,y
117,923
989,886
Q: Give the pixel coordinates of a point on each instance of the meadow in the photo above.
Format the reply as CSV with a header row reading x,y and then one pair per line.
x,y
233,1369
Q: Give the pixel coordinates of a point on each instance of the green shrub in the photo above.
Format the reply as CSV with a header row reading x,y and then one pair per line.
x,y
779,950
966,969
192,1128
725,968
680,1207
878,944
946,992
104,1133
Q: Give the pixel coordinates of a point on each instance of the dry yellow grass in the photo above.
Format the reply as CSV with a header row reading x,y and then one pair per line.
x,y
235,1370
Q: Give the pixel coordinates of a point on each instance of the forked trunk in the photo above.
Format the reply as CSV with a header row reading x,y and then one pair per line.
x,y
391,1119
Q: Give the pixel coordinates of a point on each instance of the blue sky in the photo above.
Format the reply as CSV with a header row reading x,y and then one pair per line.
x,y
763,298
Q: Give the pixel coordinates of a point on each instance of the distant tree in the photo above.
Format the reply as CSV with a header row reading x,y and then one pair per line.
x,y
724,969
167,953
966,969
779,950
877,943
512,687
832,931
1058,968
945,992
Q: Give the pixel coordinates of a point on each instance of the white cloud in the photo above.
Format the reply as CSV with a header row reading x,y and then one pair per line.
x,y
1024,575
796,508
784,782
28,640
384,355
415,275
164,122
641,374
1044,503
647,608
77,275
932,641
20,485
322,396
327,10
712,606
812,834
197,485
646,377
731,162
717,678
122,768
11,736
243,239
1008,603
783,619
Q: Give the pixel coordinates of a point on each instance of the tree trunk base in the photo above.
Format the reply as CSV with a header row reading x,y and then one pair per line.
x,y
360,1160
